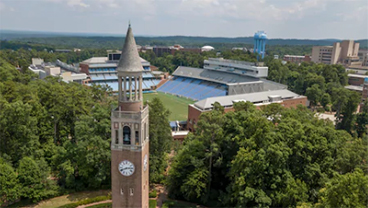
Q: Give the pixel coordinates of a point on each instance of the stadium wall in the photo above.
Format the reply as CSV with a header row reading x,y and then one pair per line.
x,y
243,88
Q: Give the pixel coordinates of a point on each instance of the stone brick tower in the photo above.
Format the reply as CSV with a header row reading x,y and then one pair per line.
x,y
129,133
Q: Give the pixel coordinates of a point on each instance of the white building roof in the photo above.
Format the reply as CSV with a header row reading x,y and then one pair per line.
x,y
358,75
95,60
354,87
251,97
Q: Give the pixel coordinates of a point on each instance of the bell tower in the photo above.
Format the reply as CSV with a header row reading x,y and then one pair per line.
x,y
129,133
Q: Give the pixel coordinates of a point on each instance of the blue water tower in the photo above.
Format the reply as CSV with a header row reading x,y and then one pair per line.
x,y
260,39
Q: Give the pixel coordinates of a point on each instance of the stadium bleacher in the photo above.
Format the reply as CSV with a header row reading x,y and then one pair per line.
x,y
149,81
193,88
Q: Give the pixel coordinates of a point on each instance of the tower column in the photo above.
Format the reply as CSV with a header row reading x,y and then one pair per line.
x,y
130,88
140,88
119,81
124,87
136,89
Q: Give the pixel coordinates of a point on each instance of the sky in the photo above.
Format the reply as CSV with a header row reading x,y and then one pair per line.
x,y
301,19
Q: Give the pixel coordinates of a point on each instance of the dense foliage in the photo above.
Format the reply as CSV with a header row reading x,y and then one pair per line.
x,y
22,57
160,139
324,87
273,157
55,136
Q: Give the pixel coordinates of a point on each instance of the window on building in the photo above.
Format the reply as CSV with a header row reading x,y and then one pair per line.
x,y
126,135
136,137
131,191
121,192
116,136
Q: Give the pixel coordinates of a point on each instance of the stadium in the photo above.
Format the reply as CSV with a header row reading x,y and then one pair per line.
x,y
219,77
102,70
187,89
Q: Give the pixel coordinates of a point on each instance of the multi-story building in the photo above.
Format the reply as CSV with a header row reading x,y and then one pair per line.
x,y
161,50
365,89
296,59
236,67
286,98
363,57
358,83
322,54
345,53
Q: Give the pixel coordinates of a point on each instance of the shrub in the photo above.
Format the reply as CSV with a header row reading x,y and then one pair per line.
x,y
152,203
327,108
86,201
173,203
153,194
320,110
104,205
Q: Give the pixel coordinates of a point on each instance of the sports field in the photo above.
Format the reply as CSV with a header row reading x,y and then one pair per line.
x,y
176,105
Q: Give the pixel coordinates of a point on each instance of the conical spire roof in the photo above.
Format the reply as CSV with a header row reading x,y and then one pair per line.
x,y
130,60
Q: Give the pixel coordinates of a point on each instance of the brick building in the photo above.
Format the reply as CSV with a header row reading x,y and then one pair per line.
x,y
286,98
297,59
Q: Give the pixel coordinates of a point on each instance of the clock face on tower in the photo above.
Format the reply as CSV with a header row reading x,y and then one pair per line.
x,y
126,168
145,162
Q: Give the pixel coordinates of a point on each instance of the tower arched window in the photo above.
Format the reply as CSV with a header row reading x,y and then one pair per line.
x,y
126,135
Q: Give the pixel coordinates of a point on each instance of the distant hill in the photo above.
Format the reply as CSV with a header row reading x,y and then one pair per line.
x,y
91,40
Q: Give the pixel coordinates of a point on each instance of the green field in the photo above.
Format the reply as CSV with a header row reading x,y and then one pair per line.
x,y
176,105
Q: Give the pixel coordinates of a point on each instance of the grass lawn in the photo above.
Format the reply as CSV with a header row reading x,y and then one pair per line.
x,y
174,203
177,106
105,205
152,203
70,198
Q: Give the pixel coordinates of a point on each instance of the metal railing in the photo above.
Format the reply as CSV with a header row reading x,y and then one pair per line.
x,y
130,114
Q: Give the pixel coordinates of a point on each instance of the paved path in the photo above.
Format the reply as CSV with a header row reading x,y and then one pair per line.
x,y
100,202
161,195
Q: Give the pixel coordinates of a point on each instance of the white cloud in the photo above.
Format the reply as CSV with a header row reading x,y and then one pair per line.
x,y
279,18
71,3
77,3
2,6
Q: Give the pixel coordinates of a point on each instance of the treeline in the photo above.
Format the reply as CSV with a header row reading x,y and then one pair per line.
x,y
55,136
23,57
115,43
273,157
324,86
95,40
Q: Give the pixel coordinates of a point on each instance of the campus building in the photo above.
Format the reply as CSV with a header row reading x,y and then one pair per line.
x,y
363,57
358,83
102,70
286,98
345,53
66,72
161,50
296,59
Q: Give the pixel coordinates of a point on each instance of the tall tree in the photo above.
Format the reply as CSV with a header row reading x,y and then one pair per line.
x,y
362,120
33,177
349,190
9,184
314,94
160,139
